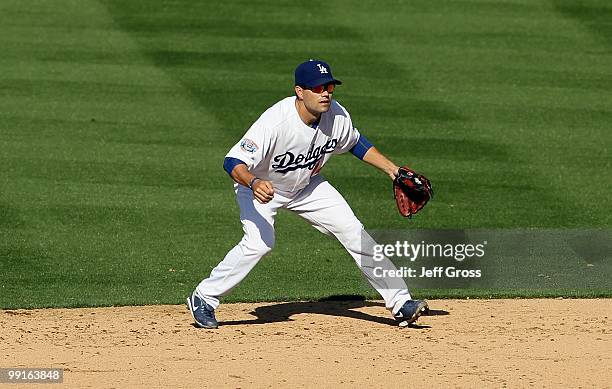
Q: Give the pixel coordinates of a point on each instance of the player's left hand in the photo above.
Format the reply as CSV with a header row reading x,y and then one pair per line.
x,y
411,190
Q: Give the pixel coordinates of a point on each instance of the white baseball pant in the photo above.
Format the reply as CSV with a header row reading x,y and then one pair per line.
x,y
321,205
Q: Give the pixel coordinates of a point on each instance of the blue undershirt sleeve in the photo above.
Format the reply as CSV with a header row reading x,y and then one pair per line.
x,y
362,147
230,163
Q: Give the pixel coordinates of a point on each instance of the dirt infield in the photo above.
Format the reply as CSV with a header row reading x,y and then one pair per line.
x,y
463,343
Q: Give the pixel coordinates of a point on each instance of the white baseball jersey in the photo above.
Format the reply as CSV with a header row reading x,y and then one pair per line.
x,y
279,147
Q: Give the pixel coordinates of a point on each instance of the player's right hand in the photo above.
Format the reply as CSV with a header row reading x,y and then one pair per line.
x,y
263,191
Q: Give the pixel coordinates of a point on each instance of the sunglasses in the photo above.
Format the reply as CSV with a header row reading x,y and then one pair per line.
x,y
321,88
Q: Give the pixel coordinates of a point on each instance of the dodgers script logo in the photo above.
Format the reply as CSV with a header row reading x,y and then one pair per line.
x,y
288,161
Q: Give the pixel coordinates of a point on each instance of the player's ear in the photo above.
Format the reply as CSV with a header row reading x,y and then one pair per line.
x,y
299,92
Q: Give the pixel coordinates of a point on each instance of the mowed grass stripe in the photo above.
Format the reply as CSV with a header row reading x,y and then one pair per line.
x,y
93,153
113,188
484,74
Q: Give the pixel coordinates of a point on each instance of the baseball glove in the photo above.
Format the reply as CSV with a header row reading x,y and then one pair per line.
x,y
411,190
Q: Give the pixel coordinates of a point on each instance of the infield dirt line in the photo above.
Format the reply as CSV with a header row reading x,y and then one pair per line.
x,y
463,343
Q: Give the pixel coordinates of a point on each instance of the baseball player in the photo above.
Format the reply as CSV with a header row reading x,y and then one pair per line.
x,y
277,165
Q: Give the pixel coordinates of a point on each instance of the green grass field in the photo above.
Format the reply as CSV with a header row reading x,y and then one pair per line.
x,y
116,115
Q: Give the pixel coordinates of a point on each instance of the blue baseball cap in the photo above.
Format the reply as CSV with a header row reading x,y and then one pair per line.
x,y
313,73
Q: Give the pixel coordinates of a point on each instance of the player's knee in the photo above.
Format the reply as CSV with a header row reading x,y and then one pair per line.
x,y
257,247
353,230
350,233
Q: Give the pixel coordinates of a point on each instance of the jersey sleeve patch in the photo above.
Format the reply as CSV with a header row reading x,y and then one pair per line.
x,y
248,146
